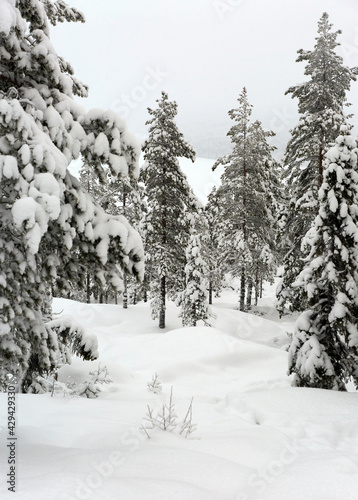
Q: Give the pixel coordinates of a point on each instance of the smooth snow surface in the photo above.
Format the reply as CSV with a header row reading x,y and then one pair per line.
x,y
257,437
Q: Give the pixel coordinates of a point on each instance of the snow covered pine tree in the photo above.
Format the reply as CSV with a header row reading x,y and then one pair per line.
x,y
193,302
51,230
246,202
170,201
324,348
321,103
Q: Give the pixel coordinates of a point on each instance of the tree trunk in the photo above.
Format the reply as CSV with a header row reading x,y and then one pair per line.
x,y
261,288
249,294
145,293
242,289
320,164
256,288
125,291
194,315
210,291
162,302
88,288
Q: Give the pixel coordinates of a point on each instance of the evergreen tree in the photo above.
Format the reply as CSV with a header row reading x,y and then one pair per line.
x,y
193,301
210,245
324,351
91,185
125,196
170,201
246,201
50,227
117,196
321,102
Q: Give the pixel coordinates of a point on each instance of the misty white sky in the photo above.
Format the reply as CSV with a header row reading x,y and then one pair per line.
x,y
202,52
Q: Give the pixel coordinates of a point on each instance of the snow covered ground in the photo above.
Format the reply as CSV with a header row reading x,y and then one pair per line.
x,y
256,438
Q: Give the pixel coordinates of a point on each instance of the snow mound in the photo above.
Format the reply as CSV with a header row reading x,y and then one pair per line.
x,y
257,437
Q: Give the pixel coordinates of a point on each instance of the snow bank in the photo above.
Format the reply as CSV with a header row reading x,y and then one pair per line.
x,y
258,438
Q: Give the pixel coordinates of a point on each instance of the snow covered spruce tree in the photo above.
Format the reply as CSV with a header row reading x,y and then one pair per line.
x,y
324,348
321,102
51,229
193,300
210,245
170,201
246,200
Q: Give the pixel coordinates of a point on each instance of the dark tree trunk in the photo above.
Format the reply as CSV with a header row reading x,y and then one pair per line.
x,y
125,291
194,315
210,292
249,295
242,289
88,288
257,283
162,302
145,293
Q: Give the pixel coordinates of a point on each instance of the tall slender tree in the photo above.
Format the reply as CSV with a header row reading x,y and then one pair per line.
x,y
170,200
321,103
210,245
246,197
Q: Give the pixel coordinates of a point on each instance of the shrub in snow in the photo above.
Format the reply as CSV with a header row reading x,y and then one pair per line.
x,y
51,229
321,102
169,199
90,388
324,348
155,384
193,302
165,418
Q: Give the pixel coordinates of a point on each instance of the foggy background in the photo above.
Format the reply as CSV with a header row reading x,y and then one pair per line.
x,y
202,53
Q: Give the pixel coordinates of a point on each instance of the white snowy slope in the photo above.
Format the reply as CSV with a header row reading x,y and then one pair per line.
x,y
256,438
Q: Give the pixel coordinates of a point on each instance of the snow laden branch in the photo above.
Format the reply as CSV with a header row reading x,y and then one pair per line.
x,y
53,232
